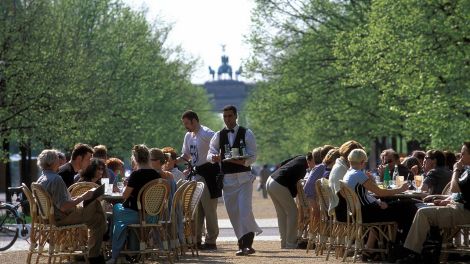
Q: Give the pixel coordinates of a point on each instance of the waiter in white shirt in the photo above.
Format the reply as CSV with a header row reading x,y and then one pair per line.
x,y
195,147
238,180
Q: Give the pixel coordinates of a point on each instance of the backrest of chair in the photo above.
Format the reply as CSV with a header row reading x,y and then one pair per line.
x,y
446,190
177,198
44,203
32,203
180,182
353,205
187,197
197,194
322,199
153,198
302,201
80,188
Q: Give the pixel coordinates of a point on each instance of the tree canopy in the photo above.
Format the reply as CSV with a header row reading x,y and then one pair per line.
x,y
339,70
95,72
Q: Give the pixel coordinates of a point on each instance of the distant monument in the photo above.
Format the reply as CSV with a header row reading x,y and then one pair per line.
x,y
225,69
225,90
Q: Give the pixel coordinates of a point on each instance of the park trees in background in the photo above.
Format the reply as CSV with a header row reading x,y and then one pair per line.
x,y
339,70
92,71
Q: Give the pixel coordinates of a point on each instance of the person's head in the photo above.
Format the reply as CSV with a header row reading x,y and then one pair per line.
x,y
390,157
324,150
316,153
451,159
310,160
230,116
157,158
190,120
410,162
100,152
465,153
357,158
62,158
140,155
116,165
331,157
433,159
347,147
48,160
419,154
172,156
94,172
81,155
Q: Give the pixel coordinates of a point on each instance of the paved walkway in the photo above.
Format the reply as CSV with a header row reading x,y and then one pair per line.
x,y
226,234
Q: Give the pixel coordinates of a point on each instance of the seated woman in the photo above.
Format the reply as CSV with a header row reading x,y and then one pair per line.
x,y
126,213
157,160
94,172
374,210
322,170
413,166
117,167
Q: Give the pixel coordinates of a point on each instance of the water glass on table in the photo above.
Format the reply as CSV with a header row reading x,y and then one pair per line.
x,y
107,187
120,186
418,182
400,181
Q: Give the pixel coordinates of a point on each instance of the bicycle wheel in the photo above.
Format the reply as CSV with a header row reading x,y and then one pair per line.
x,y
8,227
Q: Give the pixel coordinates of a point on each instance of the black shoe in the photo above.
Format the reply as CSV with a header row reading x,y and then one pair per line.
x,y
250,251
241,252
411,259
97,260
207,246
303,245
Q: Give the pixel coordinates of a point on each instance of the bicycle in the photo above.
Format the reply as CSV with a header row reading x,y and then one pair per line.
x,y
13,219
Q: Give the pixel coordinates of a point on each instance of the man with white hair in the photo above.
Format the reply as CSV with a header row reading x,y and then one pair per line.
x,y
66,209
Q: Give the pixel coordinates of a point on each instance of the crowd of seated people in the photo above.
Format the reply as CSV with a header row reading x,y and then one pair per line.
x,y
347,163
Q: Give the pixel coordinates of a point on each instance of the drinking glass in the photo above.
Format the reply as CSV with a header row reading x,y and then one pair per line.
x,y
418,182
400,181
107,188
393,184
386,184
120,186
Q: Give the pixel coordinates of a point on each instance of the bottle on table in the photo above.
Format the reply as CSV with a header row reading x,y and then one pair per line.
x,y
395,173
242,148
386,180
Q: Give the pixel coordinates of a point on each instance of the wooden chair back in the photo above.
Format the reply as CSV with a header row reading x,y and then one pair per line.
x,y
80,188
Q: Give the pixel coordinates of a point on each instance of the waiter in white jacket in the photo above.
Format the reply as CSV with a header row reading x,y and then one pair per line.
x,y
238,180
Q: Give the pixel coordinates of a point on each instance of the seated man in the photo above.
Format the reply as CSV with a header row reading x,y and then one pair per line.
x,y
66,210
442,217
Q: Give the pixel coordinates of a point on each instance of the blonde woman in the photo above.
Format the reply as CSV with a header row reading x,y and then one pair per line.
x,y
126,213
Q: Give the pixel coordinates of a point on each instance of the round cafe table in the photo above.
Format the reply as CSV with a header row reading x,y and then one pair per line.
x,y
405,195
113,198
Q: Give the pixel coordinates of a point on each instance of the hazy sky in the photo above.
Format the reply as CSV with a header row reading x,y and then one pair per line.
x,y
202,26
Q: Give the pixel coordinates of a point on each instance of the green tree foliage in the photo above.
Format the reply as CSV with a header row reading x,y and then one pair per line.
x,y
95,72
339,70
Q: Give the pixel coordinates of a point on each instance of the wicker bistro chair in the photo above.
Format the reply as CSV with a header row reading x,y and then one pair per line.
x,y
80,188
64,241
455,240
35,224
191,198
152,202
331,231
326,221
305,225
357,231
175,219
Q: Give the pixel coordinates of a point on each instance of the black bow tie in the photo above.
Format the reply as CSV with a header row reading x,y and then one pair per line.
x,y
231,130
